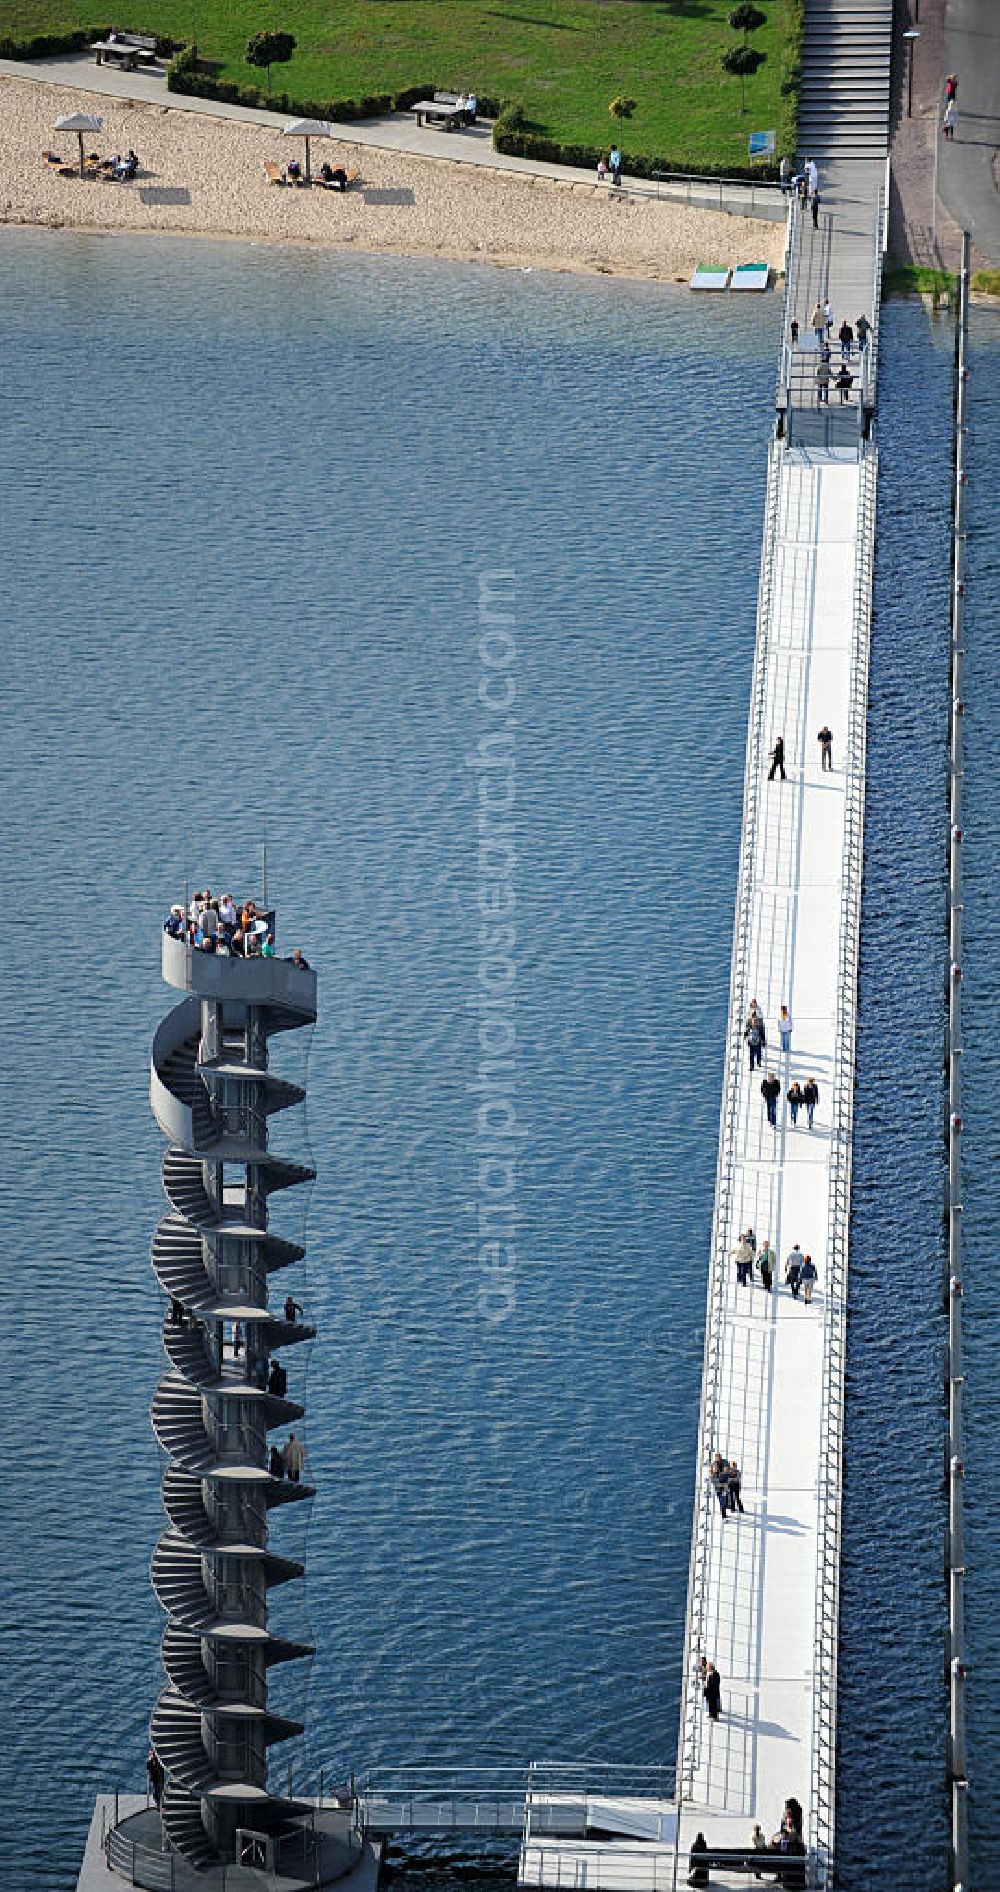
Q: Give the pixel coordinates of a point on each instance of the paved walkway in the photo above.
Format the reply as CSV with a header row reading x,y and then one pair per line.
x,y
968,173
396,132
759,1571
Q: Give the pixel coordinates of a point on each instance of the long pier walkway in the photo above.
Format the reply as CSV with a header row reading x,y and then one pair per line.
x,y
763,1598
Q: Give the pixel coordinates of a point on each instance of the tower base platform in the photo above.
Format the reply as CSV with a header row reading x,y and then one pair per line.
x,y
344,1860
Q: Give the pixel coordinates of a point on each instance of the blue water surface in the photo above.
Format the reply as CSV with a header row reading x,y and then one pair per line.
x,y
251,495
251,499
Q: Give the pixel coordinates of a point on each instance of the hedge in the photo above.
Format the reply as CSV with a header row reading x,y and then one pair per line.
x,y
50,45
509,136
183,76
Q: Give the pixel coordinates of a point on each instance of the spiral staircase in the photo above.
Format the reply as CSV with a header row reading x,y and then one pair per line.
x,y
222,1397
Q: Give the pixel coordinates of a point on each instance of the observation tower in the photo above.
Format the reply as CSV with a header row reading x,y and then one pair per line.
x,y
226,1414
225,1390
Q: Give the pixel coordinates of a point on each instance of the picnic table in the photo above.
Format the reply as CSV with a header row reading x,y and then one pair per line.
x,y
437,111
128,49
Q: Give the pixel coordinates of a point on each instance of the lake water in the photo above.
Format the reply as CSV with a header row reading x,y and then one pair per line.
x,y
252,501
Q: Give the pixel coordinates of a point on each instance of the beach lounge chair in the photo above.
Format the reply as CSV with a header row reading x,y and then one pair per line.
x,y
274,173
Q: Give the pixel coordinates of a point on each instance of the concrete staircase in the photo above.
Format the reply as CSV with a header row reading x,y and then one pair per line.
x,y
846,62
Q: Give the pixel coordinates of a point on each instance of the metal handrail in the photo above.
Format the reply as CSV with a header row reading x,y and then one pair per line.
x,y
725,1190
829,1479
793,250
957,1767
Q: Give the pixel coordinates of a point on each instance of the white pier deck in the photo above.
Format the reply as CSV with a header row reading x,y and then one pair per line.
x,y
773,1376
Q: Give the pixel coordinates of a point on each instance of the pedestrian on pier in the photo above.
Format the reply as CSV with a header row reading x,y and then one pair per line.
x,y
793,332
755,1037
810,1097
812,177
817,322
793,1270
785,1028
828,314
864,329
294,1458
795,1100
824,376
825,740
719,1475
814,203
712,1691
735,1487
845,336
743,1257
785,175
770,1090
766,1262
844,384
951,88
949,121
778,755
697,1873
751,1240
808,1278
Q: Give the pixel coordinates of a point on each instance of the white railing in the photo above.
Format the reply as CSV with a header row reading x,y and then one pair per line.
x,y
830,1466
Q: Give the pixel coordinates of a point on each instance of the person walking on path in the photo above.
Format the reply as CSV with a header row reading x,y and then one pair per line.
x,y
951,89
615,166
863,329
845,336
770,1090
844,383
735,1487
824,376
743,1257
812,177
808,1279
949,120
795,1100
793,1270
751,1241
785,175
765,1262
827,314
825,740
810,1097
719,1475
712,1691
814,203
785,1028
756,1037
778,752
817,322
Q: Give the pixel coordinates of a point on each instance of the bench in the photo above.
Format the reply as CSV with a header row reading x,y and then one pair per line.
x,y
127,50
439,111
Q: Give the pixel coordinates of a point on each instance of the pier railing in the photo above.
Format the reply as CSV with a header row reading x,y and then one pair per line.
x,y
793,246
695,1631
829,1478
958,1783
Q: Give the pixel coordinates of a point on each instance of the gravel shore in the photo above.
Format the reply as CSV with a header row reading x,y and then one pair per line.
x,y
202,175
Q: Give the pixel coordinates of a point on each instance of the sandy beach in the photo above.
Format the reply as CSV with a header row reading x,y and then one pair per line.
x,y
202,175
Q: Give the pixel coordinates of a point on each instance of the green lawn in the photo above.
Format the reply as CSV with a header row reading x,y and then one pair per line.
x,y
563,60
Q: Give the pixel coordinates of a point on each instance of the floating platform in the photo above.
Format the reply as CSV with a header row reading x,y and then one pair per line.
x,y
751,276
710,276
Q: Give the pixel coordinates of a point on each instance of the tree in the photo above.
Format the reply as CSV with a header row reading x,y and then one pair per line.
x,y
743,62
269,49
621,107
746,19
